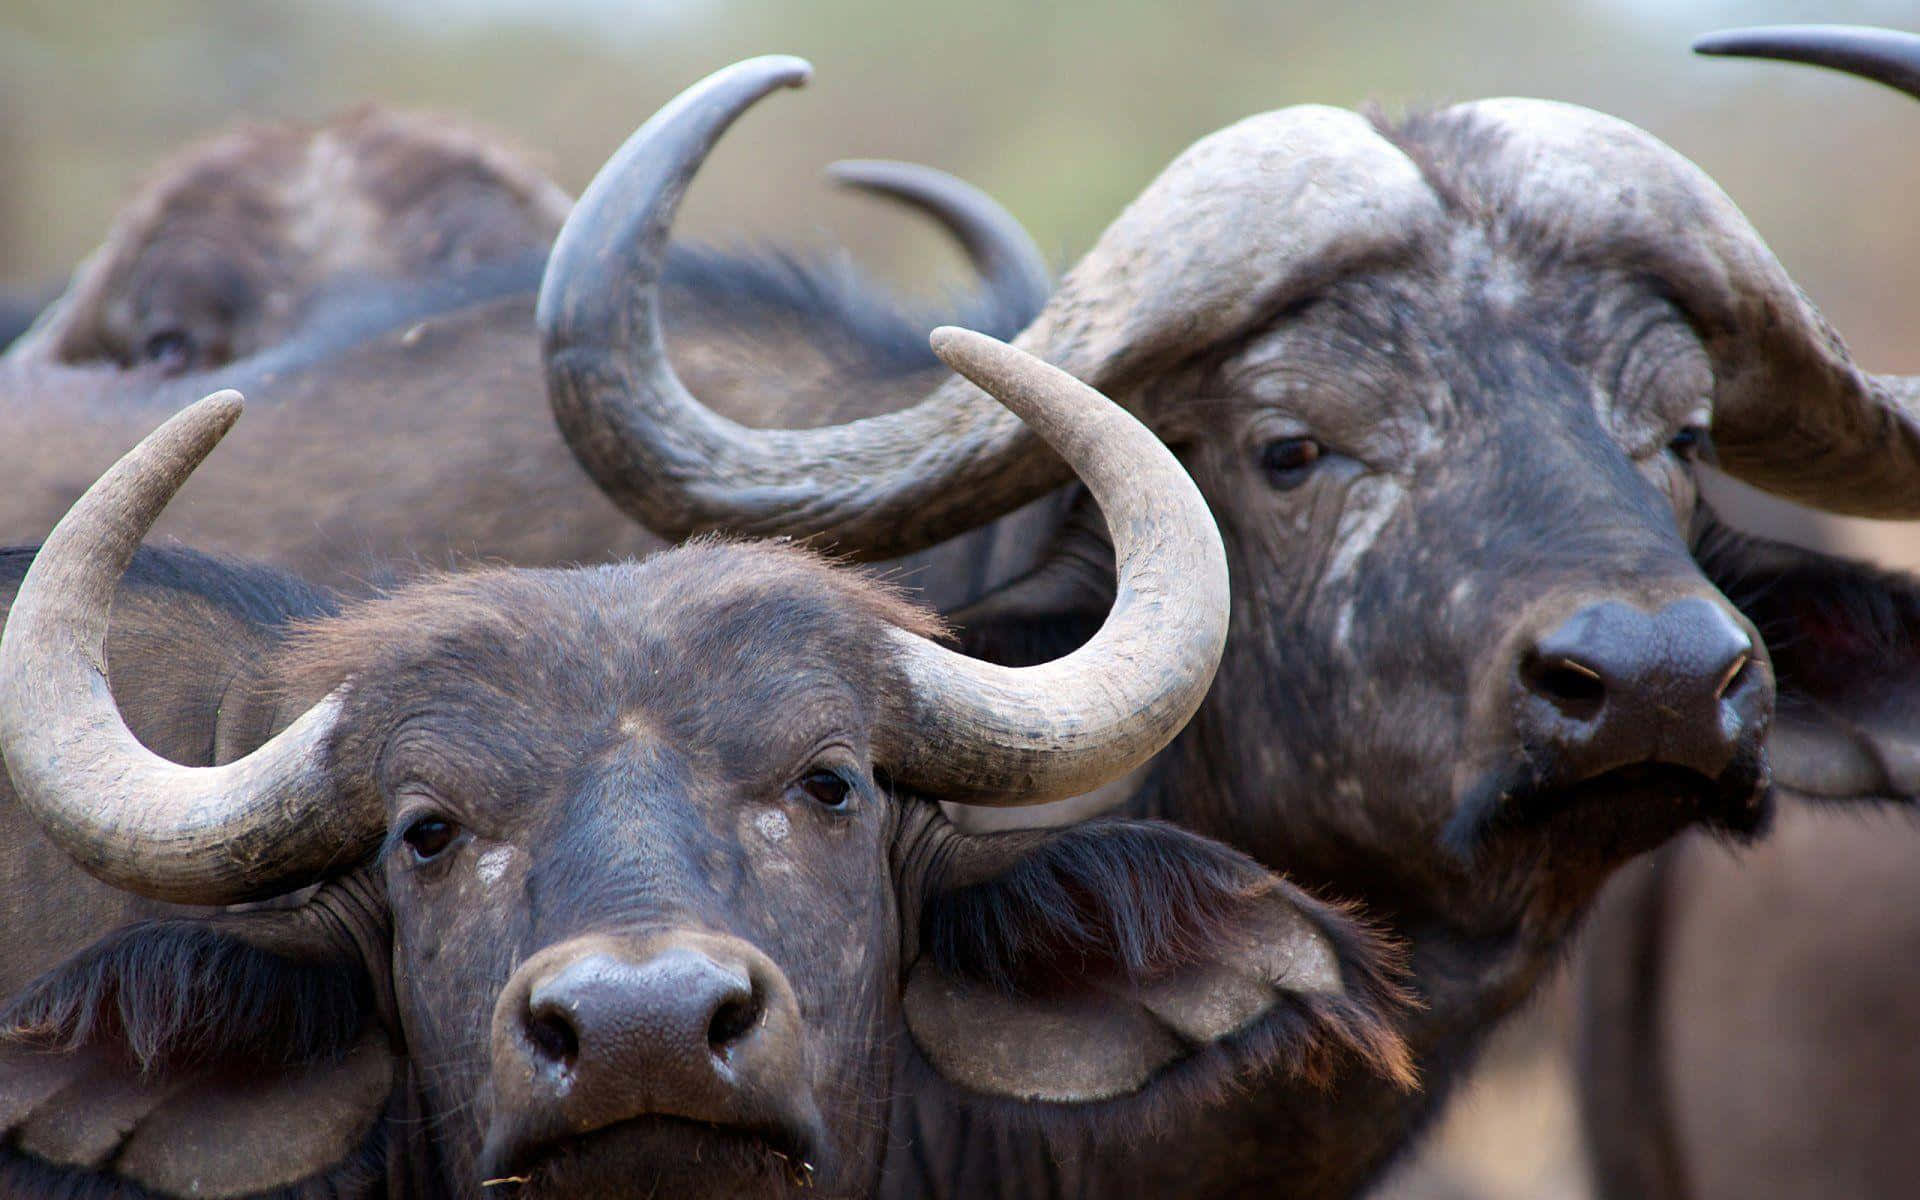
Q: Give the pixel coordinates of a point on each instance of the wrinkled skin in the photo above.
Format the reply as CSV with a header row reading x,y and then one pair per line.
x,y
625,769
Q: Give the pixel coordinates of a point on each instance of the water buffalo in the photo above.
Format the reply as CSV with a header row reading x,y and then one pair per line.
x,y
1749,1025
578,835
371,282
1443,381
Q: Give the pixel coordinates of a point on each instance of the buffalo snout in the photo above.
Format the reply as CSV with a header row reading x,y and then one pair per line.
x,y
1612,685
1622,705
599,1033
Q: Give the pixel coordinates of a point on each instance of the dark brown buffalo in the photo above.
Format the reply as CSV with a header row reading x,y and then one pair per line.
x,y
1443,381
630,878
370,282
1750,1025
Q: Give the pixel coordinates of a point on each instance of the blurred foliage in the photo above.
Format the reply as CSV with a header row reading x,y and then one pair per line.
x,y
1063,110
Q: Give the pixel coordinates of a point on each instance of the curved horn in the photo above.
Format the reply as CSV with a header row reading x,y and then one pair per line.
x,y
1804,420
987,734
1882,55
999,247
879,487
192,835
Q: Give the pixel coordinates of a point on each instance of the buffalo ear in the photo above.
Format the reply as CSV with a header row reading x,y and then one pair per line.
x,y
1122,959
234,1055
1844,638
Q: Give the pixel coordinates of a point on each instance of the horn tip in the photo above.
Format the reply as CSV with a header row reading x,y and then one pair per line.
x,y
1722,41
786,70
856,172
221,408
957,346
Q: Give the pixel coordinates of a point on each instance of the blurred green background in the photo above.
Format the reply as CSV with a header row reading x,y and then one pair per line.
x,y
1062,110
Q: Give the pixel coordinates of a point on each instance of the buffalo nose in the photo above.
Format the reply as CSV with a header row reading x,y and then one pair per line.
x,y
591,1034
680,1015
1612,685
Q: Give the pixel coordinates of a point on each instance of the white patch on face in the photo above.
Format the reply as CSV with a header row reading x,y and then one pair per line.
x,y
1371,503
493,864
772,824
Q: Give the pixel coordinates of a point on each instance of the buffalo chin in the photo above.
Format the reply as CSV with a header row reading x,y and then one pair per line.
x,y
656,1156
1615,815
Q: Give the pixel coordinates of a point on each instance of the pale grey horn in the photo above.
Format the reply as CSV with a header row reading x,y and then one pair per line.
x,y
874,488
986,734
192,835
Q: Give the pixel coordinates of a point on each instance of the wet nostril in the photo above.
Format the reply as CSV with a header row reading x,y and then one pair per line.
x,y
1575,688
554,1038
1735,674
733,1020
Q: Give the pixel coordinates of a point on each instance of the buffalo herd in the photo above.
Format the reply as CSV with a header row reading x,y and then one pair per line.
x,y
514,782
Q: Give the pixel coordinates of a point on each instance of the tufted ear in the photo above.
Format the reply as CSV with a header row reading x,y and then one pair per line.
x,y
230,1056
1845,642
1130,959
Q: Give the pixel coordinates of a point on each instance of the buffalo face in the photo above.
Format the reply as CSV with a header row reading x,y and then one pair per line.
x,y
1474,609
632,859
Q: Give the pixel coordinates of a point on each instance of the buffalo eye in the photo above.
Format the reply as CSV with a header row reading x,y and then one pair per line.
x,y
830,789
171,350
1691,443
1288,461
427,837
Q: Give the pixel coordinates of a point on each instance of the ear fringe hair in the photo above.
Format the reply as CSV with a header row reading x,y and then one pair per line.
x,y
178,994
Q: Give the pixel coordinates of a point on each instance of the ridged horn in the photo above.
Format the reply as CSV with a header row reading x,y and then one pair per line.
x,y
986,734
1808,422
877,488
192,835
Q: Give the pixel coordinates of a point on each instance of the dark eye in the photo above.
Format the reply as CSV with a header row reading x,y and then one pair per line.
x,y
170,349
1288,461
428,836
1691,443
828,788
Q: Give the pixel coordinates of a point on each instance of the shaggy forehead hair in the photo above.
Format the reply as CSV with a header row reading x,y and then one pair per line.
x,y
706,593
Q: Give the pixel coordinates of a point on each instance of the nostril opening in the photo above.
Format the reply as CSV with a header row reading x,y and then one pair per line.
x,y
1736,675
732,1021
554,1038
1575,688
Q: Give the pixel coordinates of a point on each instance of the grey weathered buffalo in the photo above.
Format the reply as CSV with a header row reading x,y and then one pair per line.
x,y
370,281
1751,1023
1443,381
630,878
